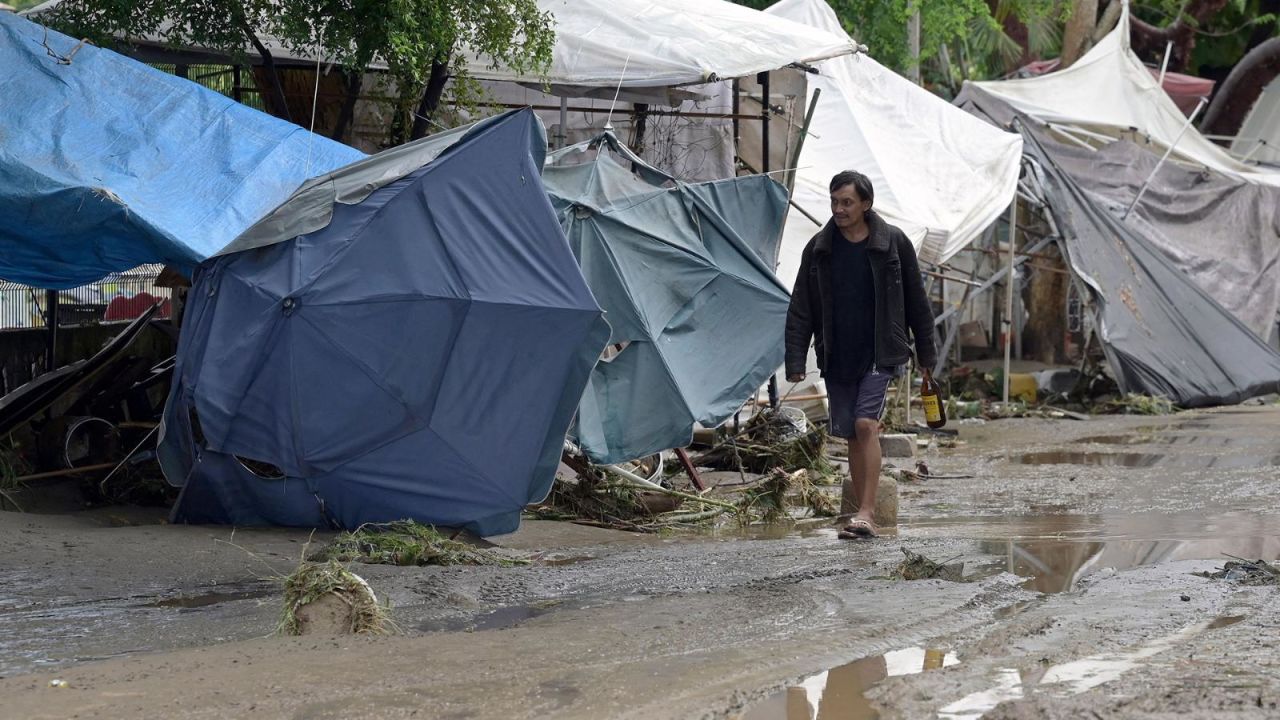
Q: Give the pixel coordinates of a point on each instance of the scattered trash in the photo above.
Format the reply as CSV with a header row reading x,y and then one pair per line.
x,y
1246,572
1134,404
769,501
919,567
406,542
326,598
772,440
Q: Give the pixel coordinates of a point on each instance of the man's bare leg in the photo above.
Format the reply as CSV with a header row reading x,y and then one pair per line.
x,y
864,471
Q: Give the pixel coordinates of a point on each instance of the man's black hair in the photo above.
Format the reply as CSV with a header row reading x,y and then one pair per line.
x,y
861,184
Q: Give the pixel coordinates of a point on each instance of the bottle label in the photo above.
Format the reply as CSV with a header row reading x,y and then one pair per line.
x,y
932,408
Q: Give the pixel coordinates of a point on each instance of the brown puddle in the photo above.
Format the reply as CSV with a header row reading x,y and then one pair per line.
x,y
188,602
1056,551
838,694
1206,441
1145,460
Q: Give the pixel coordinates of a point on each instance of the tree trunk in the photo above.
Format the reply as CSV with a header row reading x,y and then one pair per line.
x,y
274,98
355,79
1075,37
1151,40
1241,89
1110,17
430,99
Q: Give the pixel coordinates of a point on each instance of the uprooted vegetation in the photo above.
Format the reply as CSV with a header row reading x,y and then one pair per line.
x,y
406,542
784,455
327,597
772,440
1246,572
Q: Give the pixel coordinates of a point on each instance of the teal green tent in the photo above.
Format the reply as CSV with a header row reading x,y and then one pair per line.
x,y
684,273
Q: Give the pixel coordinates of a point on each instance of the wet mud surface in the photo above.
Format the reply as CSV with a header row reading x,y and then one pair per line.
x,y
1079,538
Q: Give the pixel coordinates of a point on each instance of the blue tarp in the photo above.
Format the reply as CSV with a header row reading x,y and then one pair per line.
x,y
684,273
419,356
107,164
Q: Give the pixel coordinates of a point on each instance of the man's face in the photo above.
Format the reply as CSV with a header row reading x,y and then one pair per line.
x,y
847,209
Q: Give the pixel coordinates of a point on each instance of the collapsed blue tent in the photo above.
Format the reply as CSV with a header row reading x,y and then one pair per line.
x,y
107,163
415,350
684,273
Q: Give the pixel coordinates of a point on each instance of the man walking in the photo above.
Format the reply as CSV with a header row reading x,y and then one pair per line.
x,y
857,294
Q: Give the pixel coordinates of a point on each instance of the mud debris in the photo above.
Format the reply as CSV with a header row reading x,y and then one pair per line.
x,y
407,543
918,567
1246,572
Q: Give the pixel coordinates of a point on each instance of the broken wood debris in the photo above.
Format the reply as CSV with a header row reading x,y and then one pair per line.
x,y
1246,572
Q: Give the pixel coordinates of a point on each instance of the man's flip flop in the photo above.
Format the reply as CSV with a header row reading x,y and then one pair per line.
x,y
857,530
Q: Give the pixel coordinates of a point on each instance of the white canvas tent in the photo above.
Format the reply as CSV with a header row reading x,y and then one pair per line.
x,y
940,174
651,43
1107,93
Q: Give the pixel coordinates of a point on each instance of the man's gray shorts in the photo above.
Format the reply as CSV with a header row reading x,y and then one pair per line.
x,y
847,402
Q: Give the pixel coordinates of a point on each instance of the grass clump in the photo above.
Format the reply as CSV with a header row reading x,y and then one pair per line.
x,y
406,542
315,581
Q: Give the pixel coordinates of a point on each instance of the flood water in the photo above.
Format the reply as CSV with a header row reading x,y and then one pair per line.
x,y
838,694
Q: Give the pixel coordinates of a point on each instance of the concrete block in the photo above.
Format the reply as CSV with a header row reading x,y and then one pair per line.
x,y
886,512
898,445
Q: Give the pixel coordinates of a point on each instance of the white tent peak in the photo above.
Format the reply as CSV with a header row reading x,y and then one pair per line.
x,y
1109,92
670,42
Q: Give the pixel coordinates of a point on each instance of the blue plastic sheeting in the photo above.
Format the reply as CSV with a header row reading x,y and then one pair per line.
x,y
684,273
421,356
107,164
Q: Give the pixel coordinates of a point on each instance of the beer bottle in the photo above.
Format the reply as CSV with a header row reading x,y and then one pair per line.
x,y
935,413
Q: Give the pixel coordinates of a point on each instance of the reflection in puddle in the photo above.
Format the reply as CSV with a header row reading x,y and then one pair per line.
x,y
838,694
1074,677
1057,551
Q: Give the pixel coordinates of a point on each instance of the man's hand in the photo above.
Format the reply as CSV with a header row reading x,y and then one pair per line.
x,y
795,378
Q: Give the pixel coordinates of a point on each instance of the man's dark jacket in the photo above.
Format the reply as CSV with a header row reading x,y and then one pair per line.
x,y
901,302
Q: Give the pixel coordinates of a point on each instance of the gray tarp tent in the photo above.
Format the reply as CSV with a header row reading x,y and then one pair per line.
x,y
1220,230
683,272
1161,332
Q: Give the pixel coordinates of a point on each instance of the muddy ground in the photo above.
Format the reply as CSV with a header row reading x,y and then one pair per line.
x,y
1081,536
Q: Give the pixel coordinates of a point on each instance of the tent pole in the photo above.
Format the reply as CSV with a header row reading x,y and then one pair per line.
x,y
561,135
1008,299
1164,64
996,277
1142,190
51,322
763,79
804,133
